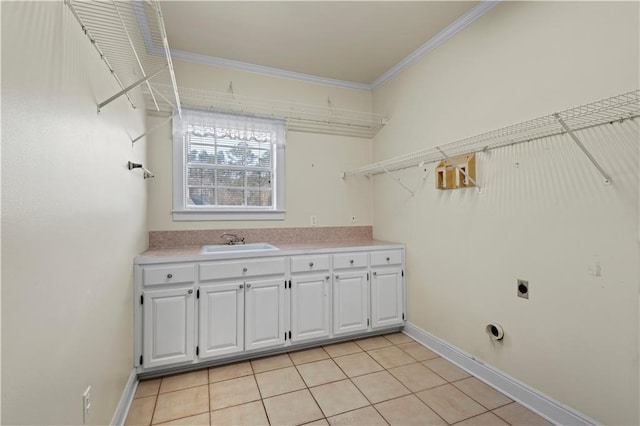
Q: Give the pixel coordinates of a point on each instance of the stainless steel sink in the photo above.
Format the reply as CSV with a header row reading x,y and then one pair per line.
x,y
238,248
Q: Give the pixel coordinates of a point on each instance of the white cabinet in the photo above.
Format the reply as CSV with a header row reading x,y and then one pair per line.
x,y
264,313
387,297
168,327
387,289
242,305
310,297
350,302
221,319
310,309
211,309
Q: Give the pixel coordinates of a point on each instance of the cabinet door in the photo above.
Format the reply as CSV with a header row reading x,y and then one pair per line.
x,y
387,297
264,313
221,319
168,331
309,307
350,302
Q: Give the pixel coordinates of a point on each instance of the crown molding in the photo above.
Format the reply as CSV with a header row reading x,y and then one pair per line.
x,y
260,69
436,41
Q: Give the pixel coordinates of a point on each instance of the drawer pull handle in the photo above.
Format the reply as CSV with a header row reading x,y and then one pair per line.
x,y
248,285
327,277
388,259
375,274
310,264
337,277
169,276
241,285
244,269
190,291
351,261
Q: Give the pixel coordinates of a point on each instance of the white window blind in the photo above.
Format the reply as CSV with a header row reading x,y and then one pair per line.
x,y
230,164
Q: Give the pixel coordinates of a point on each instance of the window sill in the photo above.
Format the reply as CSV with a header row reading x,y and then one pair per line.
x,y
191,215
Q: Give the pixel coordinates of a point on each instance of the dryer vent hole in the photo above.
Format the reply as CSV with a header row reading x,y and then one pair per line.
x,y
495,331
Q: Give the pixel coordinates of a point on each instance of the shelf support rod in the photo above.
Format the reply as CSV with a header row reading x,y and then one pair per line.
x,y
454,164
95,45
153,129
135,52
398,181
130,88
607,179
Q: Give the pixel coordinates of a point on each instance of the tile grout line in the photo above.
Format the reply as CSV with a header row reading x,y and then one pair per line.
x,y
155,404
347,377
209,394
308,389
487,408
414,393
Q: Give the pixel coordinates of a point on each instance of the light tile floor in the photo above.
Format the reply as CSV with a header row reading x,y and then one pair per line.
x,y
383,380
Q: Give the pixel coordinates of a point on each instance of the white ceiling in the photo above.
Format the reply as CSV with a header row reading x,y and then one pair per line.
x,y
351,41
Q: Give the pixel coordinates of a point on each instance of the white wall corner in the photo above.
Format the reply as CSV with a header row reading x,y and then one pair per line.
x,y
440,38
541,404
120,415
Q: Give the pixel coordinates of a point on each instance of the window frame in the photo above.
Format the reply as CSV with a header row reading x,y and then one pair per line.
x,y
183,212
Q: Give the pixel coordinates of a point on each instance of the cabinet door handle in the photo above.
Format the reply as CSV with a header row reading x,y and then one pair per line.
x,y
375,274
351,261
241,285
310,264
248,285
244,269
169,276
388,259
337,276
190,291
327,277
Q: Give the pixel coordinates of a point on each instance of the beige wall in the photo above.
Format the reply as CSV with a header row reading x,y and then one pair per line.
x,y
73,217
543,214
313,185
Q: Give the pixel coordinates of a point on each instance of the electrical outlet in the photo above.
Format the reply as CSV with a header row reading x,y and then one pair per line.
x,y
523,289
86,405
314,220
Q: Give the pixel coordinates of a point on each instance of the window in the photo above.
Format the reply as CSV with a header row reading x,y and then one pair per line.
x,y
228,167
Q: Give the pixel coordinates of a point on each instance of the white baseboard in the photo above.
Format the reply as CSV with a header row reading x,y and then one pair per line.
x,y
536,401
120,415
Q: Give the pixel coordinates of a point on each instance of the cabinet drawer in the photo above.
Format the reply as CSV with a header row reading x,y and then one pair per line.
x,y
391,257
349,260
310,263
168,274
241,268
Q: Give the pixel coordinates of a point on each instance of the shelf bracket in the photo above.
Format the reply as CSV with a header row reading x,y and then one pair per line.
x,y
461,170
130,88
607,179
145,173
153,129
398,181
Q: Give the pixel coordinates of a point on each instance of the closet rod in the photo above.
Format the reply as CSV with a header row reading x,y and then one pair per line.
x,y
618,108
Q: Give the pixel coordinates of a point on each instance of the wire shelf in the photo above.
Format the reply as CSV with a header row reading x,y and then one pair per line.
x,y
130,38
299,117
617,108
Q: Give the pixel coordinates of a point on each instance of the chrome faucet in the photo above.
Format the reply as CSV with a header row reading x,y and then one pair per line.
x,y
232,239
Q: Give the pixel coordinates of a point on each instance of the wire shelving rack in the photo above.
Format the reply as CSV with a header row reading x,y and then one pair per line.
x,y
131,40
616,108
299,117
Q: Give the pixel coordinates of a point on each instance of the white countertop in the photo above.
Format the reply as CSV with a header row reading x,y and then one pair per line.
x,y
194,254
